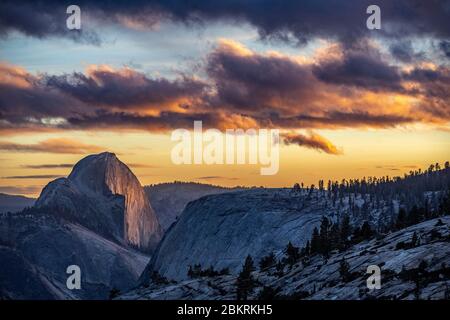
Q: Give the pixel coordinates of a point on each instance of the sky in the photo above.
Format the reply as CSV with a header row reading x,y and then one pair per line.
x,y
349,102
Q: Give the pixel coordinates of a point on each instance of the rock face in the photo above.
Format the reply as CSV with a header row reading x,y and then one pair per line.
x,y
36,248
102,194
91,219
221,230
407,273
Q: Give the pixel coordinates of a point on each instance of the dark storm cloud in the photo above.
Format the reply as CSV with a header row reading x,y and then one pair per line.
x,y
344,88
124,88
34,101
41,19
445,47
361,69
297,19
404,51
251,81
26,100
435,90
338,119
172,120
428,75
22,93
126,120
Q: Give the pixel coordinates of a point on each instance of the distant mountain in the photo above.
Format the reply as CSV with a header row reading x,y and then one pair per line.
x,y
102,194
169,199
408,271
13,203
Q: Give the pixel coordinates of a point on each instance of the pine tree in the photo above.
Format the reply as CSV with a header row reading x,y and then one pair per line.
x,y
306,251
268,293
324,243
401,219
418,278
344,270
444,207
414,240
292,254
245,282
190,272
414,216
345,231
279,267
334,237
315,241
366,231
267,262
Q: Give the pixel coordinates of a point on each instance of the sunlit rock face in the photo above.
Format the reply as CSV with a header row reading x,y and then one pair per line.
x,y
103,194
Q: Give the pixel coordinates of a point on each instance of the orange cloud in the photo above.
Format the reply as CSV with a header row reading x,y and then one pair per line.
x,y
312,141
14,75
349,88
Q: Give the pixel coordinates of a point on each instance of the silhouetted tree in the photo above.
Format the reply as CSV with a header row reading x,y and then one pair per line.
x,y
414,240
267,261
345,231
114,293
315,241
292,254
268,293
344,270
306,250
245,282
366,231
324,243
401,219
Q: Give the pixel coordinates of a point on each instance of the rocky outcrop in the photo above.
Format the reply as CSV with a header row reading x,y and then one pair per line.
x,y
408,272
102,194
36,248
221,230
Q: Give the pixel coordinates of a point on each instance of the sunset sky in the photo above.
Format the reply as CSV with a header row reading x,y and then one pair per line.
x,y
354,102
